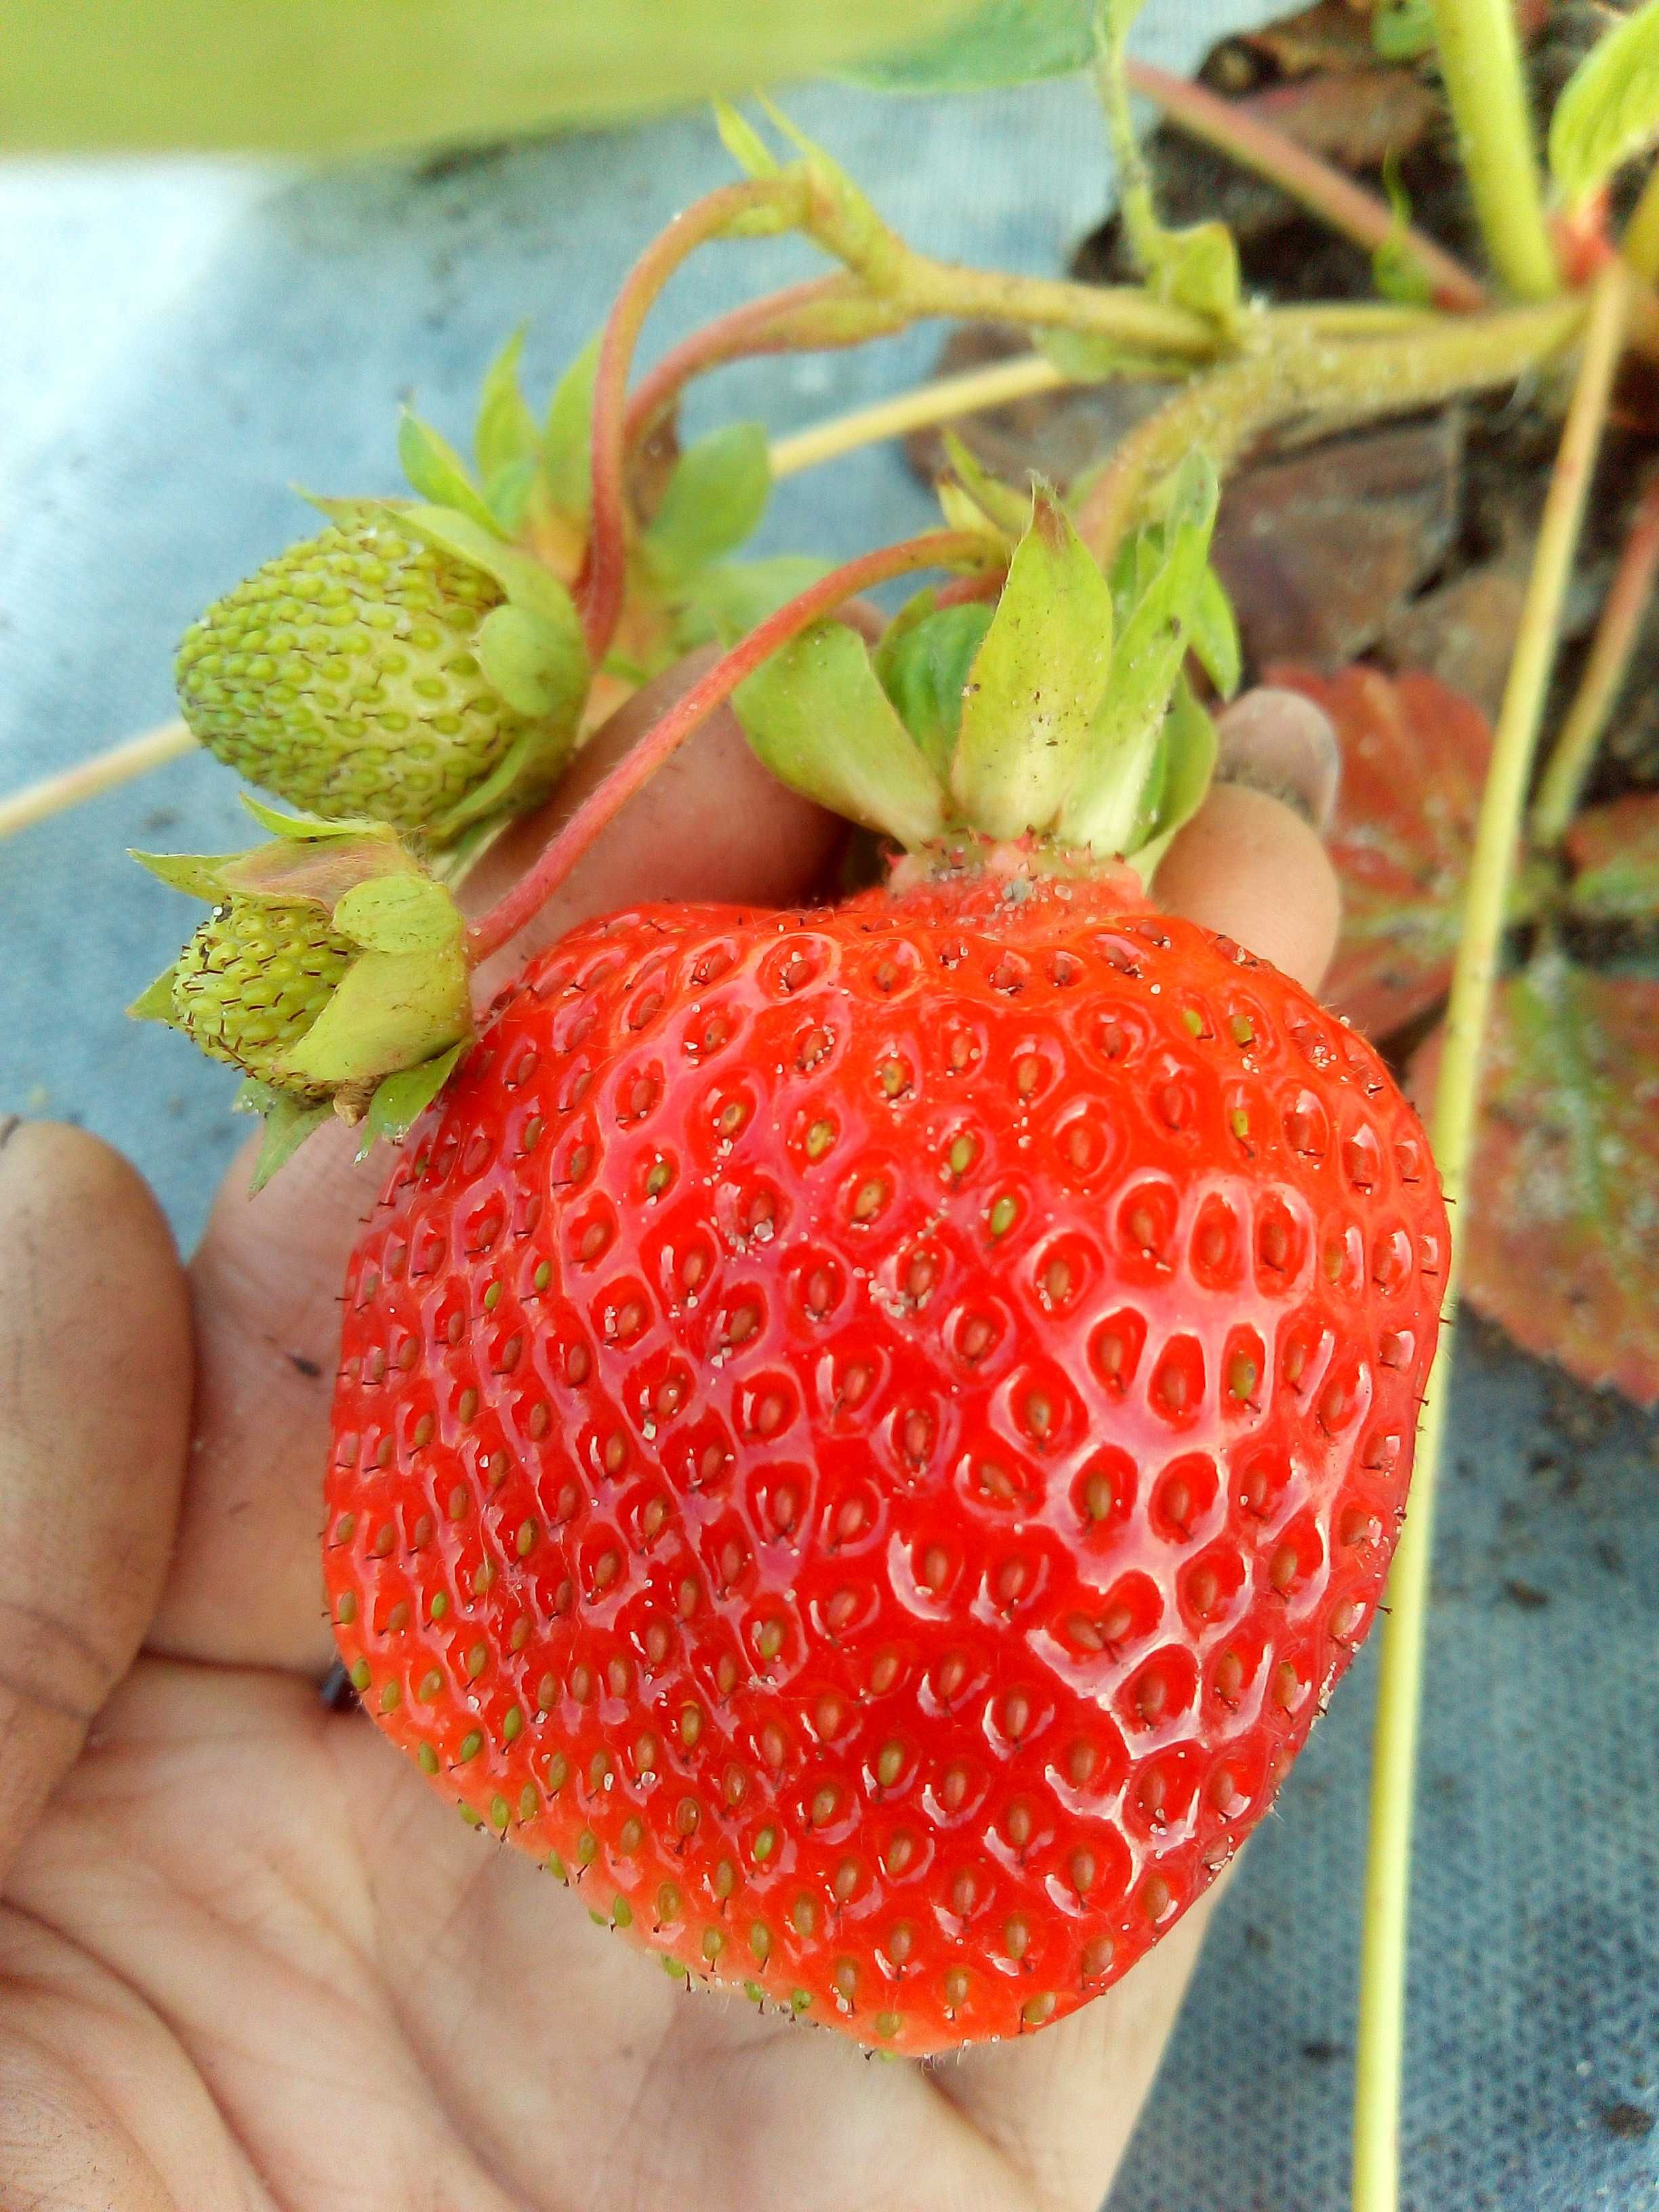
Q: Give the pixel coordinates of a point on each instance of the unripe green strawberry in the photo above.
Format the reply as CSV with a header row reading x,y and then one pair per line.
x,y
344,676
331,971
251,982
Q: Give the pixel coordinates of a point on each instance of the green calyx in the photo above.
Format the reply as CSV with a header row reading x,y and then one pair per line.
x,y
1061,714
331,971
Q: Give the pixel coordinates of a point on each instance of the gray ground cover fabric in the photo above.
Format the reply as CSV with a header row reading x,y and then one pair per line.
x,y
181,343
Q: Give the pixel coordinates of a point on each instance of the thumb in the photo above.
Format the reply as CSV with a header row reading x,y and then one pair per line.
x,y
95,1408
1250,863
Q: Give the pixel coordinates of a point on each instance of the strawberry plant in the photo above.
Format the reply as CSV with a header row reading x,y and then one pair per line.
x,y
866,1437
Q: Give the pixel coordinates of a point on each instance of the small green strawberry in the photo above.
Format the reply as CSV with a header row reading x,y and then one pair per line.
x,y
332,971
407,666
253,980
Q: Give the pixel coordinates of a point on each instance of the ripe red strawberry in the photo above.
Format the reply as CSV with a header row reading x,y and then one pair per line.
x,y
865,1438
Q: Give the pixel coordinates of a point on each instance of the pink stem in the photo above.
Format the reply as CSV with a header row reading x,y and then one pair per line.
x,y
605,575
1346,206
937,548
759,326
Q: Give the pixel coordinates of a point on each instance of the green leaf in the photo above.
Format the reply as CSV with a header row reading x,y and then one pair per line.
x,y
716,496
400,1101
1036,681
508,435
924,668
727,601
399,914
437,472
1001,42
1610,109
1180,779
815,713
539,667
1215,636
1615,852
567,455
1106,803
316,75
288,1122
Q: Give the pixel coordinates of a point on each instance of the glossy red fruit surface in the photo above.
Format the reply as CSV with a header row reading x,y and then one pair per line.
x,y
865,1438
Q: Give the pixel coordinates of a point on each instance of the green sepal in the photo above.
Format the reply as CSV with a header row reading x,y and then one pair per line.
x,y
309,829
288,1122
198,875
1091,357
392,1010
714,498
744,142
1216,644
924,665
508,493
539,667
727,601
508,435
463,537
396,914
154,1002
1037,682
1396,271
1105,804
437,472
354,514
1179,779
1000,506
565,478
816,715
840,216
525,774
1198,269
400,1101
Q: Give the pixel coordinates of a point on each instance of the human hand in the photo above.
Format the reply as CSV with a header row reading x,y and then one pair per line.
x,y
246,1955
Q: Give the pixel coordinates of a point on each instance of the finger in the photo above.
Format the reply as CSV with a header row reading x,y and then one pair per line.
x,y
94,1410
1251,864
246,1584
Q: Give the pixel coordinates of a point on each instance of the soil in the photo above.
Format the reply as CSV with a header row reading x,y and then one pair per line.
x,y
1408,543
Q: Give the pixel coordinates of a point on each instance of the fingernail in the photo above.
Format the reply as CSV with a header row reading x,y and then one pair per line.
x,y
1280,743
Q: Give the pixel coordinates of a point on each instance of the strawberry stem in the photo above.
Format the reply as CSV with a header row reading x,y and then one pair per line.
x,y
1605,671
605,574
1348,208
1381,2040
936,549
795,318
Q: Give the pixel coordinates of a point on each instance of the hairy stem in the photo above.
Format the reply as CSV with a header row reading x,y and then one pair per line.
x,y
1331,384
1453,1125
937,548
821,314
1336,199
1481,61
1605,671
604,578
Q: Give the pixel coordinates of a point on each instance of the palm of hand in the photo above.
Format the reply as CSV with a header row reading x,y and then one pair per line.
x,y
247,1956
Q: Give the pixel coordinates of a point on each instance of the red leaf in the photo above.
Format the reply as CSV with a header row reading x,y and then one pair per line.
x,y
1415,754
1559,1238
1615,852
